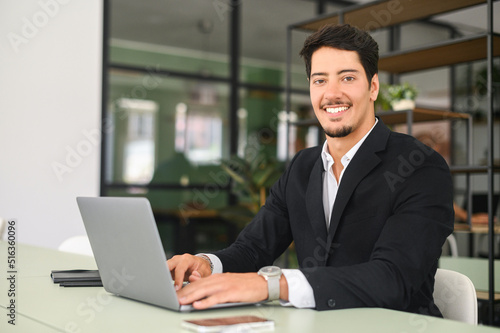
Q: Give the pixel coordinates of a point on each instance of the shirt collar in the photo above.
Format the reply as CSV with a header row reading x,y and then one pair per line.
x,y
328,159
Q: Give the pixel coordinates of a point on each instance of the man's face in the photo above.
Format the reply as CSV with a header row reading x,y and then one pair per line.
x,y
340,94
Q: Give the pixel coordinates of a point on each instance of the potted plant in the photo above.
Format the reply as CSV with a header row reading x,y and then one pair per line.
x,y
251,181
481,88
397,97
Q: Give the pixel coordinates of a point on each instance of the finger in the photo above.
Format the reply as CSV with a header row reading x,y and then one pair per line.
x,y
182,269
171,264
179,275
216,298
208,302
195,276
199,289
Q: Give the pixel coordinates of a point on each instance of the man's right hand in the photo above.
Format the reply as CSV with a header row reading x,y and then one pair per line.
x,y
187,267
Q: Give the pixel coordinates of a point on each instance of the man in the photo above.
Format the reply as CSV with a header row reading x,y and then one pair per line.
x,y
369,211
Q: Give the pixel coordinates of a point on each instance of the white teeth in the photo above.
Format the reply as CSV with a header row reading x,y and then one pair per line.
x,y
336,110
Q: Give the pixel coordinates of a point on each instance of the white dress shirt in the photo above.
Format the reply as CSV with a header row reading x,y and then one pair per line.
x,y
300,292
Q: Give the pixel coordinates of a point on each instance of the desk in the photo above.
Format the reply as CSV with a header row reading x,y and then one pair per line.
x,y
45,307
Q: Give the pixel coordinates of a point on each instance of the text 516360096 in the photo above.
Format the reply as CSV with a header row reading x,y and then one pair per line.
x,y
11,270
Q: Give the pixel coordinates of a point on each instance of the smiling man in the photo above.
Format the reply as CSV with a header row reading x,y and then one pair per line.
x,y
368,211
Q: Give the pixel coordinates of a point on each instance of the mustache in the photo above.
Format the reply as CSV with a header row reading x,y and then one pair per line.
x,y
333,103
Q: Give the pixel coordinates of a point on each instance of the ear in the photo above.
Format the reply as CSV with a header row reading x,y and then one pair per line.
x,y
374,88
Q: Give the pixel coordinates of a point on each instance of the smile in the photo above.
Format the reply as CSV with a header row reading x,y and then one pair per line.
x,y
337,109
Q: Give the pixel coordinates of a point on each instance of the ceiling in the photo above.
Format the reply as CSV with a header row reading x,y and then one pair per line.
x,y
203,25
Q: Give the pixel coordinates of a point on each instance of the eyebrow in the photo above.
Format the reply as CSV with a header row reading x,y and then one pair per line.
x,y
338,73
318,74
347,71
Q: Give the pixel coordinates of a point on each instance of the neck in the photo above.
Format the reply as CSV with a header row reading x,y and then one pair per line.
x,y
338,147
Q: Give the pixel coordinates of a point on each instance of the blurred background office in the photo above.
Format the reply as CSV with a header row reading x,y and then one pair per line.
x,y
174,88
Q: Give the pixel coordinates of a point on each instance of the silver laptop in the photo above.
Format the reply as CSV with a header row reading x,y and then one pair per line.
x,y
129,252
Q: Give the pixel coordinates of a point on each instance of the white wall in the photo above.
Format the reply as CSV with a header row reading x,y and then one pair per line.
x,y
50,93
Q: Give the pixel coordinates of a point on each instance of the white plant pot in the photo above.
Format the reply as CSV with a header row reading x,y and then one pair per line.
x,y
403,104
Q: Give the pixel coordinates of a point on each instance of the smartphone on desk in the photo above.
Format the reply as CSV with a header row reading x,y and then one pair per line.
x,y
234,324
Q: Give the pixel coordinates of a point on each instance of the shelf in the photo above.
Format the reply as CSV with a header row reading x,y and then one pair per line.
x,y
477,229
470,169
443,54
484,295
380,14
419,115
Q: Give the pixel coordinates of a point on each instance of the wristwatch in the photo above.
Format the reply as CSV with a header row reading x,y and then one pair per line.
x,y
272,274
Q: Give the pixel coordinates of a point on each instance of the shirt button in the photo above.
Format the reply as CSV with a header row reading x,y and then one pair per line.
x,y
331,303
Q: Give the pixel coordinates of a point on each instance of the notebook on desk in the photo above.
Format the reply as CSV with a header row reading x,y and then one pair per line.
x,y
129,252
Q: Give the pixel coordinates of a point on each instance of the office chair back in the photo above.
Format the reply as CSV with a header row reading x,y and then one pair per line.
x,y
452,242
77,244
3,226
455,296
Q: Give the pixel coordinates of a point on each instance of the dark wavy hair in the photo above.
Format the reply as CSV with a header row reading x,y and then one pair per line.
x,y
343,37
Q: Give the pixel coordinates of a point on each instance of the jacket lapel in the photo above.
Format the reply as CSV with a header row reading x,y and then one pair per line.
x,y
314,201
362,163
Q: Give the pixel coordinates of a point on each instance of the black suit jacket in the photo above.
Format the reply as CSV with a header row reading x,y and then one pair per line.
x,y
390,219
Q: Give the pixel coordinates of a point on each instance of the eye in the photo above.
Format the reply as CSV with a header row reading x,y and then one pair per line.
x,y
348,78
318,81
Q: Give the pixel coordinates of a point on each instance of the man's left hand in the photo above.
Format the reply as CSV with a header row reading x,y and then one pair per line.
x,y
223,288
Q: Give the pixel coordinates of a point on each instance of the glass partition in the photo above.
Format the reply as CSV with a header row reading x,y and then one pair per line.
x,y
165,137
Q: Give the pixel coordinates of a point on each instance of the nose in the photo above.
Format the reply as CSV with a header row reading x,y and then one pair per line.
x,y
333,91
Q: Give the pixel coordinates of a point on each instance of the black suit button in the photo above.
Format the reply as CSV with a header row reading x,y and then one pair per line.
x,y
331,303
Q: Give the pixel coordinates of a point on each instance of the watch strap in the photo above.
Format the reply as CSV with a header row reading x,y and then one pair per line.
x,y
273,288
272,274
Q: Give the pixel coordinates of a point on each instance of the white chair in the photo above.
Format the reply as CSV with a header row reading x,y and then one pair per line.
x,y
455,296
452,242
3,226
78,245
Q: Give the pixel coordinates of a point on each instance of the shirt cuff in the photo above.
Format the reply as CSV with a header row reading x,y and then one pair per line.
x,y
300,292
217,264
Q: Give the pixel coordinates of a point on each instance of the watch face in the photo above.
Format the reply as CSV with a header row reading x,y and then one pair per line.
x,y
271,270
